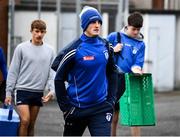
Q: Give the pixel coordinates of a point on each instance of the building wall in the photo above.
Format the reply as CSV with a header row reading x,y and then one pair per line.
x,y
23,24
141,4
159,37
174,4
68,27
160,50
177,55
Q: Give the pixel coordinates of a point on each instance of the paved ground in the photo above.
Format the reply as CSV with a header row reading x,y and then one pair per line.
x,y
167,106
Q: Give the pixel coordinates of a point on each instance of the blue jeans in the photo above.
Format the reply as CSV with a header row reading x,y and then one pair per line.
x,y
97,119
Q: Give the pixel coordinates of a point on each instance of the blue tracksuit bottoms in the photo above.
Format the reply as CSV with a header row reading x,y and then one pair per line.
x,y
97,119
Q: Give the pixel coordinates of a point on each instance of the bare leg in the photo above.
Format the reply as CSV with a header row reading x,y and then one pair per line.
x,y
114,123
34,110
24,114
136,131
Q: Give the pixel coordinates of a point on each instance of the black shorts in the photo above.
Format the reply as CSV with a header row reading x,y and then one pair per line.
x,y
121,89
116,106
29,98
2,90
121,85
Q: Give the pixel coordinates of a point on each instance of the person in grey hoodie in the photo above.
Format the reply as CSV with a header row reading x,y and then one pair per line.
x,y
29,73
130,51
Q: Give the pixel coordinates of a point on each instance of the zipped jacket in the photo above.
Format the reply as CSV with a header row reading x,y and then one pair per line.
x,y
3,66
133,51
88,67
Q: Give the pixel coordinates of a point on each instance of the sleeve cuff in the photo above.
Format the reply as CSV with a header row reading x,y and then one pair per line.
x,y
8,94
135,66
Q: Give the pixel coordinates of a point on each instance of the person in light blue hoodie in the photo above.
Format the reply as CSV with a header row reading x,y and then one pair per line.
x,y
130,50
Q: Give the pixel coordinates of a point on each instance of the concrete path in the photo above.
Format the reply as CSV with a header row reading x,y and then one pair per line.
x,y
167,105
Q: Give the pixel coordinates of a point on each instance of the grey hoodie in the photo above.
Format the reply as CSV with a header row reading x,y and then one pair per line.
x,y
30,69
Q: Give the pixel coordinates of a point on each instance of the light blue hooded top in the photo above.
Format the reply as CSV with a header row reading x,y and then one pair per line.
x,y
132,53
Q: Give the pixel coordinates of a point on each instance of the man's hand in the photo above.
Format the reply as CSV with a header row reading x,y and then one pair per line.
x,y
48,97
118,47
137,70
8,101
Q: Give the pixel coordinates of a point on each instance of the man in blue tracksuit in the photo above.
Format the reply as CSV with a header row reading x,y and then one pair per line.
x,y
3,66
3,69
87,65
129,49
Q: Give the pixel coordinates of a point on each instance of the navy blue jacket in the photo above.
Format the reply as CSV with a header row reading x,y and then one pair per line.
x,y
88,67
3,66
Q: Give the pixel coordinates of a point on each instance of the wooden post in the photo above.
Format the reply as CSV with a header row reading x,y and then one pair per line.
x,y
158,4
4,27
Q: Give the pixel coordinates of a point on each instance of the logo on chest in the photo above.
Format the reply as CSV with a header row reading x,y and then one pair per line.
x,y
106,54
135,50
88,58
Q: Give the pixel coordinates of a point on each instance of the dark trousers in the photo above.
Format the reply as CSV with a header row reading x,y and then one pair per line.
x,y
2,90
97,119
121,85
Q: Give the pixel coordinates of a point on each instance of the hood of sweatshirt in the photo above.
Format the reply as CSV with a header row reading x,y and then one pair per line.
x,y
140,36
